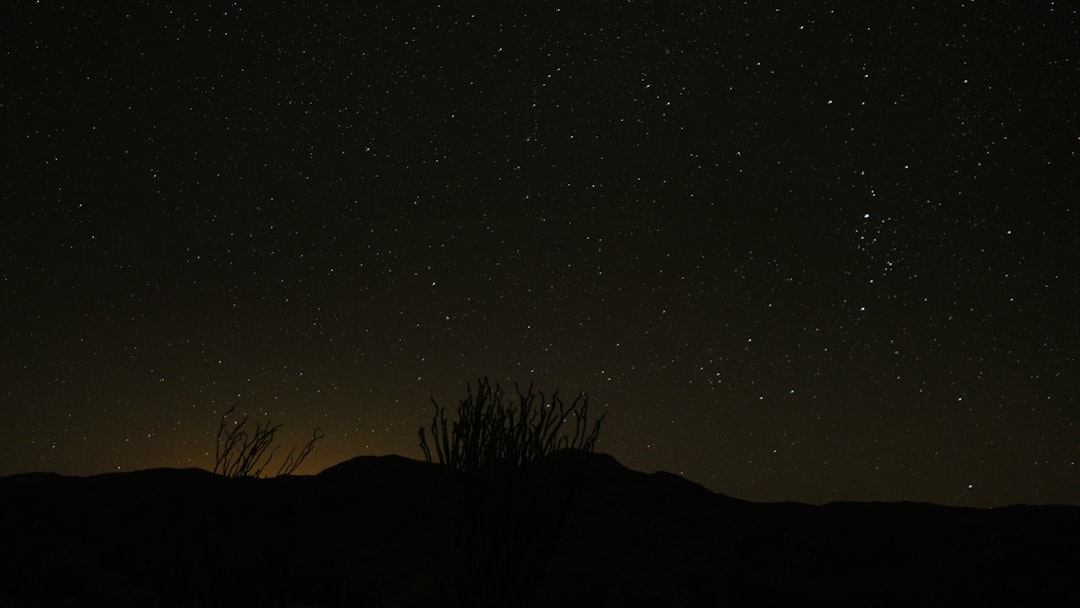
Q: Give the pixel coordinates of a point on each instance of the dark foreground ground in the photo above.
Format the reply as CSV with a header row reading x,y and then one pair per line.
x,y
576,529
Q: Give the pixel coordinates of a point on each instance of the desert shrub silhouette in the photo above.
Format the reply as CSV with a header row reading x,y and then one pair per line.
x,y
242,454
493,433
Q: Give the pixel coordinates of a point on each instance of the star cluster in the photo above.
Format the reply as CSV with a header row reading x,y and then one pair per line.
x,y
799,251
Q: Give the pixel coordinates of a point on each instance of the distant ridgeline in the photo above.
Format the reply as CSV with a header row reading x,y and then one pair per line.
x,y
574,528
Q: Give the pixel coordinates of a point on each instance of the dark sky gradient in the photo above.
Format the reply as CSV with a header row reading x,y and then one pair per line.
x,y
804,251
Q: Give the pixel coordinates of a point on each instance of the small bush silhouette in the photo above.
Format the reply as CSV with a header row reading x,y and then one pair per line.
x,y
489,432
243,454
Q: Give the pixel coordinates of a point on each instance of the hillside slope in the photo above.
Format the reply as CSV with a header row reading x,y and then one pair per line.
x,y
575,528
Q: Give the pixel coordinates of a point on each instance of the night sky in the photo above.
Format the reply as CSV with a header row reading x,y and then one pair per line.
x,y
805,251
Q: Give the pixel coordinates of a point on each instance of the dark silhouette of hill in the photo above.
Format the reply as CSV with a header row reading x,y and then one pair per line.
x,y
573,529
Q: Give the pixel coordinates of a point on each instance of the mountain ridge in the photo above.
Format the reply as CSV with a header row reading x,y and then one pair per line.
x,y
393,531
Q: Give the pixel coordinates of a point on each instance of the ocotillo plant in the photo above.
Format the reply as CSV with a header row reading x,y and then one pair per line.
x,y
242,454
489,432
